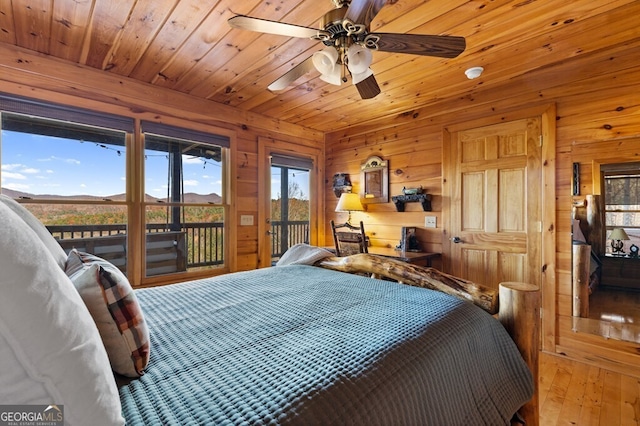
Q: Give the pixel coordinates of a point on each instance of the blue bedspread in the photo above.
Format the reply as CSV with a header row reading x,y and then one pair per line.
x,y
303,345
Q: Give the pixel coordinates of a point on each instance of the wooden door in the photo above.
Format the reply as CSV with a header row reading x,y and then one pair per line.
x,y
496,217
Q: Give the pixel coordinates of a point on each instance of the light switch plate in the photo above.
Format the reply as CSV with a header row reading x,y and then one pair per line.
x,y
246,220
429,221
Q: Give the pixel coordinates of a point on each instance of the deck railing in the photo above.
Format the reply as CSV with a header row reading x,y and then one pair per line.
x,y
204,239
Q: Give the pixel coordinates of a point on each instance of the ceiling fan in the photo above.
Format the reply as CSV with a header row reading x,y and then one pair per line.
x,y
345,33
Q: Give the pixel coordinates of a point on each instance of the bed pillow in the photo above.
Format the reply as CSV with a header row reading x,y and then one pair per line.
x,y
115,310
41,231
51,346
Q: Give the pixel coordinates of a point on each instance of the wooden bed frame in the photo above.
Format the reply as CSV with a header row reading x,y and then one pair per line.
x,y
516,304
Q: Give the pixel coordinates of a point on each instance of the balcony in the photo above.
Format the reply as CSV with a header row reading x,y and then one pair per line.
x,y
195,245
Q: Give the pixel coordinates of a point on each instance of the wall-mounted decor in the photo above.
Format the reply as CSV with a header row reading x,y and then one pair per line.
x,y
424,199
575,179
341,183
374,181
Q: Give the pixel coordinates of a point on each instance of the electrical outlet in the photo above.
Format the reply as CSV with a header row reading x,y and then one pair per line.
x,y
246,220
429,221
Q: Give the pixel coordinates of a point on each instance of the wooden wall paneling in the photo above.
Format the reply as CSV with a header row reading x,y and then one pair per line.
x,y
35,25
198,44
68,28
184,19
143,25
107,21
8,33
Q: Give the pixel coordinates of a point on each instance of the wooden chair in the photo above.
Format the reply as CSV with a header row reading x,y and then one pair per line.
x,y
349,242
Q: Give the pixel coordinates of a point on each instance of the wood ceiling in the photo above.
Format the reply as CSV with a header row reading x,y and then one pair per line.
x,y
187,46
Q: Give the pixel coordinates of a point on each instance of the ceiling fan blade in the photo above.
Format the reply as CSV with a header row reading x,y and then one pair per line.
x,y
368,88
273,27
293,74
417,44
363,11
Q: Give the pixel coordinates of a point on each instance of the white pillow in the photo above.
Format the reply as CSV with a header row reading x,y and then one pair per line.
x,y
114,308
54,345
41,231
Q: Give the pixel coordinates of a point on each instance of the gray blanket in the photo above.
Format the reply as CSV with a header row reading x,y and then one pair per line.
x,y
303,345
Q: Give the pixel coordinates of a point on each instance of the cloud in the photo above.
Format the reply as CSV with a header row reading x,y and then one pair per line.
x,y
12,175
12,166
64,160
30,170
190,182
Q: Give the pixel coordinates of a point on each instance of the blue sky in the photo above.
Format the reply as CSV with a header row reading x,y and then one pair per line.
x,y
45,165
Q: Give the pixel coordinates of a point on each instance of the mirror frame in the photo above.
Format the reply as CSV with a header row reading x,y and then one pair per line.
x,y
374,181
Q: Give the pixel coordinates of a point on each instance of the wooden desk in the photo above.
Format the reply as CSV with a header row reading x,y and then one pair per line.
x,y
418,258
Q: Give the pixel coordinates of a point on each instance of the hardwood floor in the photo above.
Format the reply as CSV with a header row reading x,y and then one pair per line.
x,y
574,393
613,314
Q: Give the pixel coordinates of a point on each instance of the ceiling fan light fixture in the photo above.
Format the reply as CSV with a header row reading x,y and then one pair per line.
x,y
325,60
357,78
358,59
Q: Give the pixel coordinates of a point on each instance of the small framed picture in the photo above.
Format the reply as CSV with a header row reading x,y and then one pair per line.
x,y
409,240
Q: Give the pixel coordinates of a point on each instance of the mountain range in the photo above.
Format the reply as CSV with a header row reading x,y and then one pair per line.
x,y
189,197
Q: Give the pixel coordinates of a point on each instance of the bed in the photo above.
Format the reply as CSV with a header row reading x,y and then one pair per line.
x,y
298,343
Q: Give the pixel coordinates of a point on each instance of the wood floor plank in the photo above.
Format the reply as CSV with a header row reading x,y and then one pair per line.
x,y
575,393
629,401
610,413
592,401
574,397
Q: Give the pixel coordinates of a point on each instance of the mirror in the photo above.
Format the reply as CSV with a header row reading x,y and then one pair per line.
x,y
606,197
374,181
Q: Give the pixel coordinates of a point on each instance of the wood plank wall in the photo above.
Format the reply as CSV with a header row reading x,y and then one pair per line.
x,y
37,76
597,97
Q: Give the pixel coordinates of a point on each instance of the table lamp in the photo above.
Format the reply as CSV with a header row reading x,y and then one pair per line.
x,y
618,236
349,202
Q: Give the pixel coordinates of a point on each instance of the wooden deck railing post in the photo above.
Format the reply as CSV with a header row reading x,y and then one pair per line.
x,y
519,313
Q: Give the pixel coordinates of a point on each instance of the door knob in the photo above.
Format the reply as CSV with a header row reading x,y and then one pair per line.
x,y
456,240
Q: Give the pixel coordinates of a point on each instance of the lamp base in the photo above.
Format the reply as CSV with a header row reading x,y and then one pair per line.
x,y
617,247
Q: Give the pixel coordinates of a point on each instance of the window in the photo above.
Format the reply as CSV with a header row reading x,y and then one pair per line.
x,y
72,168
184,192
622,202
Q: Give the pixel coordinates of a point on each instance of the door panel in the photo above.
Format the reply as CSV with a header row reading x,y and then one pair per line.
x,y
495,203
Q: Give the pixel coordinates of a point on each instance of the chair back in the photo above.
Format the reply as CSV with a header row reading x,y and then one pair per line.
x,y
349,242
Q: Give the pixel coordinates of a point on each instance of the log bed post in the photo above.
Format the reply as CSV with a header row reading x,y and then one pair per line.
x,y
519,313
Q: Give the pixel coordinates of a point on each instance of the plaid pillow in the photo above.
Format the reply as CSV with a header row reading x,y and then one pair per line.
x,y
115,310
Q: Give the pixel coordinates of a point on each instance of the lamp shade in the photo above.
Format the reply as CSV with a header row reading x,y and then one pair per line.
x,y
358,59
326,62
618,234
349,202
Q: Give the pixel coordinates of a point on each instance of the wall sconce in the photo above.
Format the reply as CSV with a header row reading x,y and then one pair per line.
x,y
618,236
341,184
349,202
